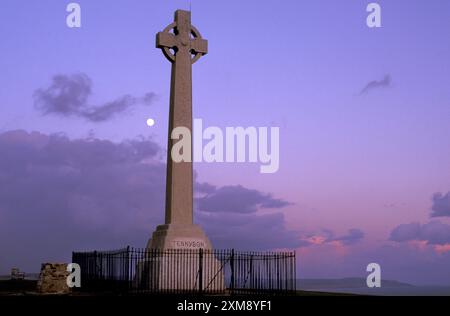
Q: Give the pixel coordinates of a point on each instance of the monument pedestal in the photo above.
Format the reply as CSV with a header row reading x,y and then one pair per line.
x,y
180,259
173,236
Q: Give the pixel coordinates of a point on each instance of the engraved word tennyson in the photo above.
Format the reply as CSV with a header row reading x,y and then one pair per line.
x,y
187,244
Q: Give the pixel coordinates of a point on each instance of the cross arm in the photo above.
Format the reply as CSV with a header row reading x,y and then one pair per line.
x,y
165,39
199,45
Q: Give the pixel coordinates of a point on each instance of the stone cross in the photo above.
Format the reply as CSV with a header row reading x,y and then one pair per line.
x,y
182,45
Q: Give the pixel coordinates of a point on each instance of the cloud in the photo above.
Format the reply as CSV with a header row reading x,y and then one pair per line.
x,y
441,205
68,96
252,232
327,236
375,84
353,236
405,232
58,195
237,199
231,217
205,187
433,233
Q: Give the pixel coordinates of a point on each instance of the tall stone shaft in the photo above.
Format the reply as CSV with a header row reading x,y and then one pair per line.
x,y
182,45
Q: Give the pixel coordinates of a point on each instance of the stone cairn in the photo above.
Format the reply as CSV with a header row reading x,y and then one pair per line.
x,y
52,279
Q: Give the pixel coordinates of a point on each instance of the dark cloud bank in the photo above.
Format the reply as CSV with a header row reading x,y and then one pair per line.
x,y
231,218
434,233
68,95
353,236
58,195
441,205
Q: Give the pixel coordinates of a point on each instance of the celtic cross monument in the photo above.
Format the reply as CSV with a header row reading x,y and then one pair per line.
x,y
182,44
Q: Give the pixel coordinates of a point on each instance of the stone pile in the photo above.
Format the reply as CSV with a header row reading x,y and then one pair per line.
x,y
52,279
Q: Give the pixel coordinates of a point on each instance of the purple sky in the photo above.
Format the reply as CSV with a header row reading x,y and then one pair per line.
x,y
363,114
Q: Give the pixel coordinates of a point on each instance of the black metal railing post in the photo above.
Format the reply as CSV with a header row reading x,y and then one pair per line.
x,y
126,279
295,271
232,271
200,270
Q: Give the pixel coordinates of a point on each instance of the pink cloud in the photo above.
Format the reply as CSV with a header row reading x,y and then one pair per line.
x,y
418,244
316,240
340,248
441,249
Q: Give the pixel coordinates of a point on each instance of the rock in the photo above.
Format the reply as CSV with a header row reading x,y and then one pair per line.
x,y
52,279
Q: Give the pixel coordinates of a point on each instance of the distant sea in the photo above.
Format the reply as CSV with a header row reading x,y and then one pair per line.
x,y
358,286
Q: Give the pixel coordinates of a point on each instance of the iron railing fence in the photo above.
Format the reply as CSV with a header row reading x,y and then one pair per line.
x,y
135,270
